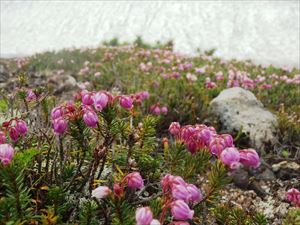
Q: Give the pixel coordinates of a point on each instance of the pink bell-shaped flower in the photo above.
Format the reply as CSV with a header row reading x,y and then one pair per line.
x,y
143,216
6,153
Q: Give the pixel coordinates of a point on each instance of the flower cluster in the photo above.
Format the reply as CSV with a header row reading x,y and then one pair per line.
x,y
293,196
179,189
133,180
15,127
177,195
90,104
157,110
200,136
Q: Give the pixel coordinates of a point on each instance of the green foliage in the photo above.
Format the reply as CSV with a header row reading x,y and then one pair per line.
x,y
24,158
112,42
147,134
289,131
217,179
292,217
16,203
123,213
57,200
225,214
181,162
3,105
48,217
88,212
156,205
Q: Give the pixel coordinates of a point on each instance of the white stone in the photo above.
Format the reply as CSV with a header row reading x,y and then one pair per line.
x,y
238,108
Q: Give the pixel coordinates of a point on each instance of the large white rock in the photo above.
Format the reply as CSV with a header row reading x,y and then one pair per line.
x,y
238,108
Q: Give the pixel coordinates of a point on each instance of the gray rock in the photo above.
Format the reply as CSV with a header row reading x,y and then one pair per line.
x,y
267,174
286,170
63,83
238,108
4,75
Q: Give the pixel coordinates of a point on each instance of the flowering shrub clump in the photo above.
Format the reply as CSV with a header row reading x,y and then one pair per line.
x,y
15,128
109,151
201,136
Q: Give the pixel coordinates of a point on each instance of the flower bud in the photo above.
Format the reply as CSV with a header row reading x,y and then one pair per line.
x,y
174,128
217,145
2,137
90,118
21,127
180,191
97,74
13,133
101,192
118,190
195,193
30,96
6,153
60,125
164,110
230,156
144,95
249,158
206,135
181,211
227,139
155,109
87,99
100,101
56,113
134,180
143,216
126,102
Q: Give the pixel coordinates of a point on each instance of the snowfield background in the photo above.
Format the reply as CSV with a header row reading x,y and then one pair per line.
x,y
267,32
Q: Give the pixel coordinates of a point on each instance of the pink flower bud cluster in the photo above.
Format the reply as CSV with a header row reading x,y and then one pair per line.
x,y
91,103
60,116
240,78
15,128
179,189
146,67
132,180
210,84
6,154
157,110
200,136
177,196
180,195
191,77
293,196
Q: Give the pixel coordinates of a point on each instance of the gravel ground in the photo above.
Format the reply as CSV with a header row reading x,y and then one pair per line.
x,y
273,204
